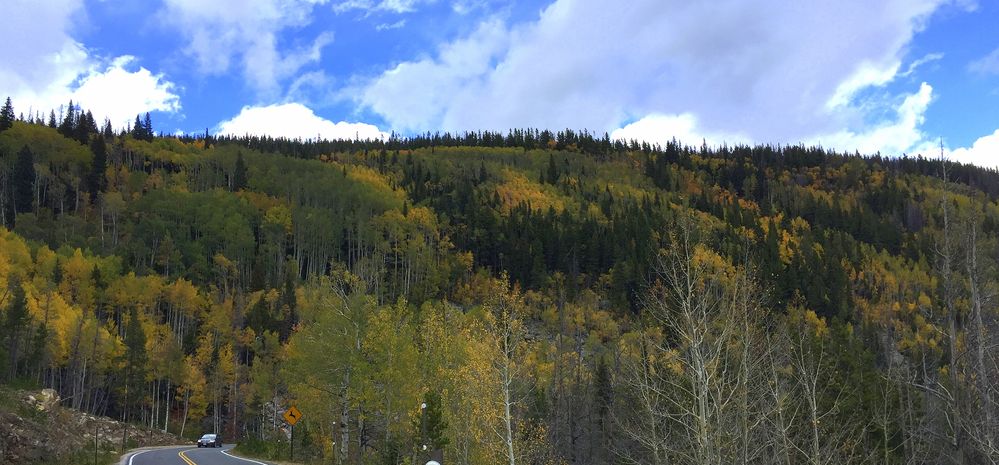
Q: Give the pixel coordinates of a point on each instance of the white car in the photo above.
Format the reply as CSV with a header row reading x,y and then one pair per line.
x,y
210,440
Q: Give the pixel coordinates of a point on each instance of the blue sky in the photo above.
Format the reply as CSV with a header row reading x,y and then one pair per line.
x,y
894,76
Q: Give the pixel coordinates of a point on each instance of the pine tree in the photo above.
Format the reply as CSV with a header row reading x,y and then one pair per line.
x,y
7,116
14,324
552,173
108,131
96,182
68,125
289,304
138,132
239,177
85,126
52,119
24,181
136,359
147,127
434,423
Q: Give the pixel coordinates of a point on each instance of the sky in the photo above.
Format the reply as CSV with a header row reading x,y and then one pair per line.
x,y
890,76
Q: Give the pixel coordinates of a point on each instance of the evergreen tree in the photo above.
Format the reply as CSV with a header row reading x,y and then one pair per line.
x,y
108,131
96,182
138,129
52,119
24,181
68,126
7,116
136,358
239,177
259,317
552,173
85,126
37,356
147,128
289,304
434,427
14,324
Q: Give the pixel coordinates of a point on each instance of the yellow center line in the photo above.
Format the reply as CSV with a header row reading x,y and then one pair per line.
x,y
187,459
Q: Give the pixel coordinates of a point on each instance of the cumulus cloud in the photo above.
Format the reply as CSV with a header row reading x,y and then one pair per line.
x,y
892,137
120,94
52,68
660,129
220,32
411,96
770,69
984,152
294,121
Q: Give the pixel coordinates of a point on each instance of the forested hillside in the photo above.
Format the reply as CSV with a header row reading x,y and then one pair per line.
x,y
531,297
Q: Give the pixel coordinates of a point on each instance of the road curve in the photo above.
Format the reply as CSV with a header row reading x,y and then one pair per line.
x,y
187,455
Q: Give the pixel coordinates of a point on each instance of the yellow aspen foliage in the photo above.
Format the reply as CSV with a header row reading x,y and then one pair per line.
x,y
517,189
15,258
140,291
76,283
183,296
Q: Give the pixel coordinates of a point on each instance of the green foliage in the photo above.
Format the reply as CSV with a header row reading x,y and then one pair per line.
x,y
239,177
103,457
96,180
24,181
223,279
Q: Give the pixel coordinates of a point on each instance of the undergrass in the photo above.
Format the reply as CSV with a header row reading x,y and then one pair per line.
x,y
267,450
85,457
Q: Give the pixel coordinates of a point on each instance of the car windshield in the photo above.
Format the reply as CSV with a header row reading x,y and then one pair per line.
x,y
208,436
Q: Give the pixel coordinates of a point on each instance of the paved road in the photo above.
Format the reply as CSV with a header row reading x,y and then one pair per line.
x,y
187,455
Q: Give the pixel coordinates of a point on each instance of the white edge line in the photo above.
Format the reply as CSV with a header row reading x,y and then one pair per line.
x,y
239,458
131,457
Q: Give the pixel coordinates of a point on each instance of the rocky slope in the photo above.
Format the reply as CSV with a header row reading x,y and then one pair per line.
x,y
34,428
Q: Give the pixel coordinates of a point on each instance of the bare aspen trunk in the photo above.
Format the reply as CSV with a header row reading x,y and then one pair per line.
x,y
507,416
187,402
166,419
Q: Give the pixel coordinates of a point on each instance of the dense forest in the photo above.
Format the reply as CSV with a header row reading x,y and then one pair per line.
x,y
532,297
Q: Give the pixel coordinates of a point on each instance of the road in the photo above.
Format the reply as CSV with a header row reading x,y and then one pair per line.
x,y
187,455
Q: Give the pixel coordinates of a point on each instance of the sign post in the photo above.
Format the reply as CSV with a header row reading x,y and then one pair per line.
x,y
292,415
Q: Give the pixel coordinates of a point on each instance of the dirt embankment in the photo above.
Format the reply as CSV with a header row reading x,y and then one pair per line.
x,y
34,428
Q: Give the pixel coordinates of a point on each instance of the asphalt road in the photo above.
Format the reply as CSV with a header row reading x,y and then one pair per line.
x,y
187,455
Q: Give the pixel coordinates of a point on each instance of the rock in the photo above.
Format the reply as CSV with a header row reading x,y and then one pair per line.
x,y
46,399
56,432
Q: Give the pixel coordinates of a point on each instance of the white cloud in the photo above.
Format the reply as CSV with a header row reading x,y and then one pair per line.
x,y
51,68
771,69
119,94
989,64
388,27
294,121
391,6
221,31
410,95
892,137
660,129
928,58
984,152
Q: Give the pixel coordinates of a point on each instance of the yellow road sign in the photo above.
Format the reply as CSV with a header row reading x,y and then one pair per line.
x,y
292,415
